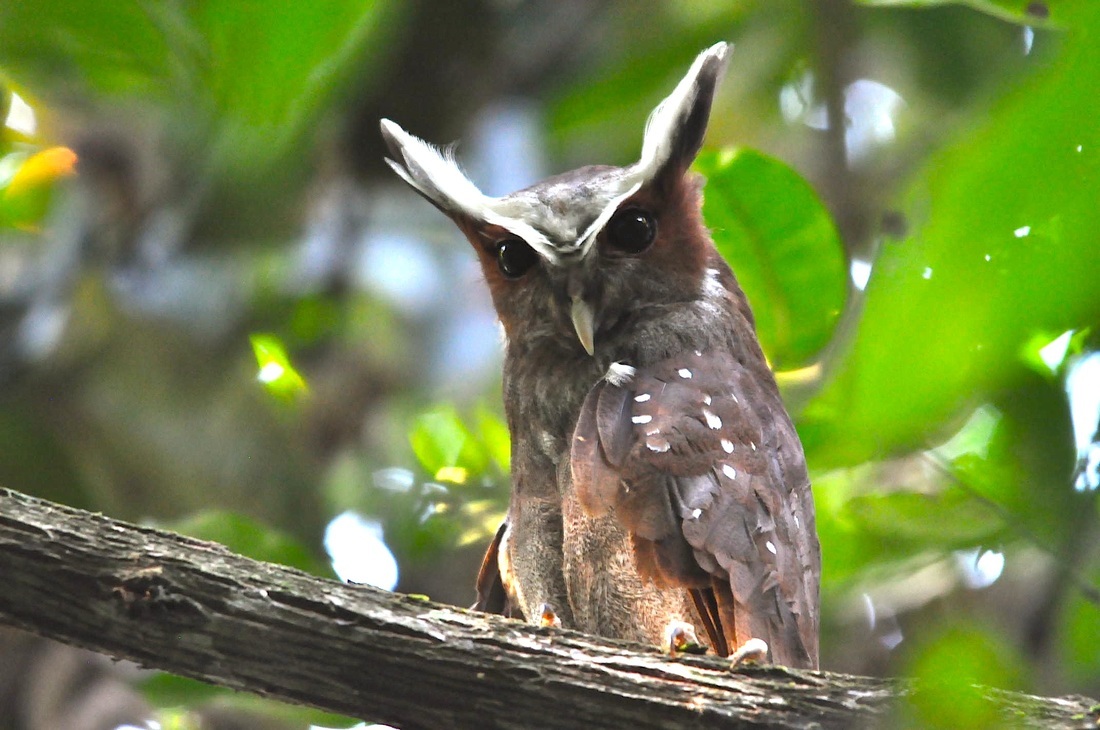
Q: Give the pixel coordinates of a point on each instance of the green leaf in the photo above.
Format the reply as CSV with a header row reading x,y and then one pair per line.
x,y
1024,12
950,520
1079,633
1002,245
247,537
275,371
442,442
951,671
783,247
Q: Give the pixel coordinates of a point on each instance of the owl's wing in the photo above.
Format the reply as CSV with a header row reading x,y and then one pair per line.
x,y
701,464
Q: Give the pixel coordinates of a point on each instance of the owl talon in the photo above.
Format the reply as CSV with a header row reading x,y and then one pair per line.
x,y
680,639
548,617
753,651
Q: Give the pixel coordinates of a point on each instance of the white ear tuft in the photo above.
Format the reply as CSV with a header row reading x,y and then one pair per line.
x,y
432,172
676,127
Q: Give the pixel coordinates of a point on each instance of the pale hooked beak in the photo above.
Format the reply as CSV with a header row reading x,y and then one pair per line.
x,y
583,321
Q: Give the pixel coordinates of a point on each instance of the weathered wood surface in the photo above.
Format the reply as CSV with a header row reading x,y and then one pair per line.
x,y
195,609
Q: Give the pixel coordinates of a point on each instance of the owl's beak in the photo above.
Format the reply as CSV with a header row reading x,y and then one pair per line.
x,y
583,322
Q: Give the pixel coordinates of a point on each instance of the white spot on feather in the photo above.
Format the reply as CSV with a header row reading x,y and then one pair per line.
x,y
712,420
654,432
706,400
753,445
729,471
642,398
727,446
660,447
684,373
695,513
642,419
619,374
771,547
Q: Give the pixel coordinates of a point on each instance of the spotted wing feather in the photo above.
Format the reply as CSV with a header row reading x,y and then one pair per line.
x,y
713,488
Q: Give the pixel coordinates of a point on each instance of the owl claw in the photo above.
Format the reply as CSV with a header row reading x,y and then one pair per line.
x,y
680,639
548,617
752,651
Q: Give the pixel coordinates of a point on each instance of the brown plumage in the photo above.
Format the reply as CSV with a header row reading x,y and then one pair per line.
x,y
656,475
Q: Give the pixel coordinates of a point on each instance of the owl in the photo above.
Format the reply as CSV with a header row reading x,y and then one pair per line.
x,y
659,489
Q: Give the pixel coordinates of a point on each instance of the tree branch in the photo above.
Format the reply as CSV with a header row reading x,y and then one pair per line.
x,y
195,609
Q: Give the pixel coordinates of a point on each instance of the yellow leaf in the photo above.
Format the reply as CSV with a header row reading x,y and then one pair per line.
x,y
42,168
452,474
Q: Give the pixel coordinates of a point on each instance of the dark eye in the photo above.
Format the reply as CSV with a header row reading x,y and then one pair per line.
x,y
514,257
631,230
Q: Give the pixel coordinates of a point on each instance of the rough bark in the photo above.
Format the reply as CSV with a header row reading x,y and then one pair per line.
x,y
193,608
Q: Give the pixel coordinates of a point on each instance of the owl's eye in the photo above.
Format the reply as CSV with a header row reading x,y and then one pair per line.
x,y
514,257
631,230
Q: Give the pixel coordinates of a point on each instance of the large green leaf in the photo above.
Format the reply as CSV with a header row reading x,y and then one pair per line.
x,y
778,237
1003,244
948,521
1017,11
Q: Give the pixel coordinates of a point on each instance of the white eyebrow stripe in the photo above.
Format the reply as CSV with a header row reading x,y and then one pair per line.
x,y
588,238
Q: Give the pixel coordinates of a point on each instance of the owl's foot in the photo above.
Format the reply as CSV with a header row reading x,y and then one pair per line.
x,y
547,616
752,651
680,639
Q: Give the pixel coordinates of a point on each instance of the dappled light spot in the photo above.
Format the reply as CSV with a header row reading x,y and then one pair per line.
x,y
275,371
452,474
870,110
884,624
1083,390
358,551
1054,353
979,568
21,117
975,435
394,479
860,273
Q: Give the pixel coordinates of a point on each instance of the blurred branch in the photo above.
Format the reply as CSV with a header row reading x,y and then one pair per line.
x,y
195,609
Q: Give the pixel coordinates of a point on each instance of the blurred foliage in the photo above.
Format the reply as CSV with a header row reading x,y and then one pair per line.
x,y
275,371
778,237
221,245
247,537
952,669
187,704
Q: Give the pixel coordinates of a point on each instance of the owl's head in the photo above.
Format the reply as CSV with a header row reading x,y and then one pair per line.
x,y
574,256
